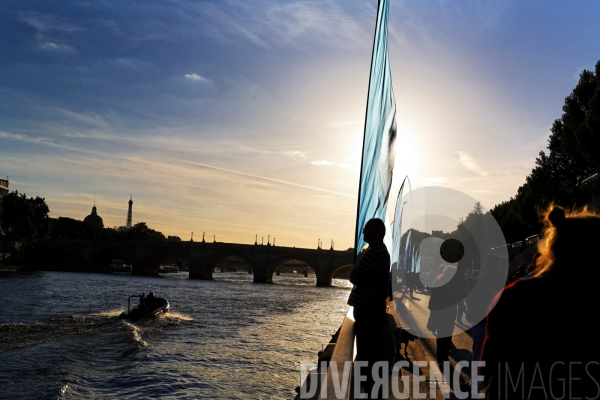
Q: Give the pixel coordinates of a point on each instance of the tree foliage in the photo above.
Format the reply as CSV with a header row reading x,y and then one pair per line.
x,y
139,231
69,228
23,219
560,175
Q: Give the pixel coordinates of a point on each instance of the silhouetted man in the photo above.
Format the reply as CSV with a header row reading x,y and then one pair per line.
x,y
370,279
479,305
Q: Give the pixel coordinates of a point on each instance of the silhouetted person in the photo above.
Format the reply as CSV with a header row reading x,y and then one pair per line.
x,y
410,277
143,302
370,279
442,309
151,300
478,305
553,340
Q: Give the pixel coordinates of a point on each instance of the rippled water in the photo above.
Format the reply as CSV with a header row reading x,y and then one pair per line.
x,y
60,336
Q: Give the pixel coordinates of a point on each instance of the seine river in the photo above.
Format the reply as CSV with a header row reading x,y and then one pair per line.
x,y
60,336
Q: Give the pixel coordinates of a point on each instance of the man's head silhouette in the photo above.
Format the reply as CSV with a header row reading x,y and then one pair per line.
x,y
374,231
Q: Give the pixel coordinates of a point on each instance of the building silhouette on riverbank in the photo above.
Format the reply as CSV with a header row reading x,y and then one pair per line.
x,y
94,219
3,187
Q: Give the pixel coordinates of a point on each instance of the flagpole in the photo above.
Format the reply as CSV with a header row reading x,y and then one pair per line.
x,y
362,155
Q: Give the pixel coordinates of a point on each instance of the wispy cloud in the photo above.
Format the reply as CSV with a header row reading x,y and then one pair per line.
x,y
295,153
49,27
265,178
47,22
197,78
25,138
50,46
322,162
469,163
329,163
273,23
45,141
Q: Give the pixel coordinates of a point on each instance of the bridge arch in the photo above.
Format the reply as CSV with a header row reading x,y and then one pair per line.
x,y
148,261
341,268
206,270
278,262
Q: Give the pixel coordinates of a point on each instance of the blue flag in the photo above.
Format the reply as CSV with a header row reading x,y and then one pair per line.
x,y
408,252
380,133
416,263
397,228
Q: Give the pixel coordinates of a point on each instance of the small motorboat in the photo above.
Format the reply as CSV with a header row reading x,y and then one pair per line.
x,y
149,307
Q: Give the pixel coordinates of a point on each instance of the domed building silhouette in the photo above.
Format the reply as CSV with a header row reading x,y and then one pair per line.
x,y
94,219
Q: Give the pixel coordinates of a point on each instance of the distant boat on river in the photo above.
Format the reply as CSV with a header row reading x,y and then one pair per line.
x,y
119,266
168,268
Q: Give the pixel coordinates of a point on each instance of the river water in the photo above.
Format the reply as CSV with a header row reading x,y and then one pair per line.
x,y
60,336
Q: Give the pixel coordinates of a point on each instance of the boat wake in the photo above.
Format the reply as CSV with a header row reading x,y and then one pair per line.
x,y
136,334
19,335
149,326
23,335
177,317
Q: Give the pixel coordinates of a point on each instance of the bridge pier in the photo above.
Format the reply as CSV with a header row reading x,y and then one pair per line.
x,y
92,260
323,281
197,271
145,262
260,275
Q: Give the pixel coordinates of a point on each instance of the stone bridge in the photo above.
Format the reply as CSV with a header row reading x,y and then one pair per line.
x,y
146,257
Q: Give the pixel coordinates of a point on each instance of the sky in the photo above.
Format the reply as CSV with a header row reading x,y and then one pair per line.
x,y
244,119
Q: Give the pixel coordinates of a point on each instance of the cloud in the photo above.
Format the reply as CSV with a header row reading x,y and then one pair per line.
x,y
50,46
266,23
25,138
47,22
197,78
45,141
469,163
322,162
328,163
49,26
129,63
265,178
295,153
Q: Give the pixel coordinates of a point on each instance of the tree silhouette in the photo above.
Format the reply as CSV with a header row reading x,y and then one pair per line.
x,y
23,219
560,176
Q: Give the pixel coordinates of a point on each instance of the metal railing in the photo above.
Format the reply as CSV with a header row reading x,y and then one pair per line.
x,y
345,350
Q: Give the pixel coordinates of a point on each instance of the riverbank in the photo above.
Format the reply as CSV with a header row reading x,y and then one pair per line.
x,y
9,269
